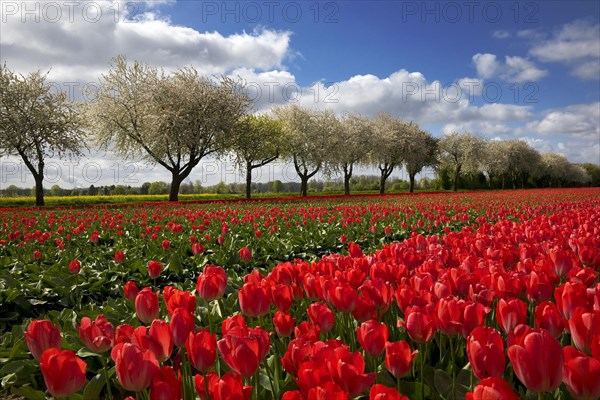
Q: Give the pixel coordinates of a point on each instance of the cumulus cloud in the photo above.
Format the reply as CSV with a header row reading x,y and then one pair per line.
x,y
77,43
581,120
513,69
500,34
576,44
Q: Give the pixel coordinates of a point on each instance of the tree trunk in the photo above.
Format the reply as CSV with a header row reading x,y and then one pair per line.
x,y
347,176
248,180
175,184
412,182
39,190
456,175
382,180
303,185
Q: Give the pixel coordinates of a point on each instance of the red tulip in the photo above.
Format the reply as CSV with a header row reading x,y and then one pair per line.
x,y
450,315
583,326
485,350
245,254
255,300
182,324
130,290
581,374
197,249
420,323
146,305
343,297
40,336
243,349
548,317
382,392
492,388
284,323
220,239
74,267
230,387
343,239
322,316
569,296
282,297
372,337
200,386
135,367
354,250
64,372
175,298
98,336
474,316
399,358
165,244
154,268
307,330
162,339
212,283
298,351
231,322
328,391
119,257
165,385
537,360
202,349
510,314
37,255
348,371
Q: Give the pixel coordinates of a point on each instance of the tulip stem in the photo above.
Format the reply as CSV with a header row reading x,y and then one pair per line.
x,y
269,373
206,385
108,389
453,356
540,396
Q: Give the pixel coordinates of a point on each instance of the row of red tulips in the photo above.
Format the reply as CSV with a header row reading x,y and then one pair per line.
x,y
512,289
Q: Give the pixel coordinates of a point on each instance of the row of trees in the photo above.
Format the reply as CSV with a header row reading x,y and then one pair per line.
x,y
177,120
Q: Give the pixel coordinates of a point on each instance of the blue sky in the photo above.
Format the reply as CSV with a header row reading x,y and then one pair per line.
x,y
502,69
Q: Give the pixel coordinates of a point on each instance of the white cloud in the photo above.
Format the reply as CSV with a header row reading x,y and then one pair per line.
x,y
79,42
514,68
576,44
500,34
581,120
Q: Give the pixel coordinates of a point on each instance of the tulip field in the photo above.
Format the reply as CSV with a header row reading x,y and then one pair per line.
x,y
487,295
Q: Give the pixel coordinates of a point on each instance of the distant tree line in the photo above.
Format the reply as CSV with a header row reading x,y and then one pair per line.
x,y
177,120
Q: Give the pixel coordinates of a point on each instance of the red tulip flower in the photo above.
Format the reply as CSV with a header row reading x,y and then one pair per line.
x,y
510,314
165,385
492,388
485,350
343,297
230,387
581,374
130,290
584,326
154,268
348,371
146,305
548,317
537,359
243,349
166,245
161,339
245,254
284,323
322,316
420,323
220,239
372,337
64,372
231,322
569,296
211,283
202,349
182,324
175,298
308,331
255,300
282,297
119,257
98,336
382,392
354,250
197,249
40,336
399,358
74,267
135,366
37,255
